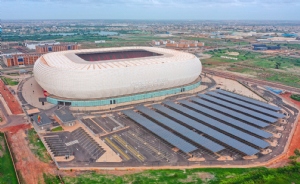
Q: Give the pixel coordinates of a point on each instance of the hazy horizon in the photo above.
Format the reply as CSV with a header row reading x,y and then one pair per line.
x,y
265,10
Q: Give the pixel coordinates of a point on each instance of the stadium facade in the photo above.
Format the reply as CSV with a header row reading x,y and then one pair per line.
x,y
98,77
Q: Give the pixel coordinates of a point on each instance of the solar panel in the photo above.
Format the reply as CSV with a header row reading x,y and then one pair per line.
x,y
228,119
248,150
247,105
161,132
204,142
250,100
238,108
230,130
231,112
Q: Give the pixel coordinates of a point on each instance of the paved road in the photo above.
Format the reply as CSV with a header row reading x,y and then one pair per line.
x,y
247,79
12,120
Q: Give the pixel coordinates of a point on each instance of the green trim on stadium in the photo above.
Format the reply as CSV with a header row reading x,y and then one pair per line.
x,y
123,99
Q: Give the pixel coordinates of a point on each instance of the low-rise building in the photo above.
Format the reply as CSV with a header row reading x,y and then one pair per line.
x,y
42,121
65,116
20,59
56,47
100,41
154,42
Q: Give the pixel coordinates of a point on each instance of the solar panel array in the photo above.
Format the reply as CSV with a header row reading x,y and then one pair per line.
x,y
250,100
228,119
204,142
238,108
242,147
160,131
231,112
247,105
228,129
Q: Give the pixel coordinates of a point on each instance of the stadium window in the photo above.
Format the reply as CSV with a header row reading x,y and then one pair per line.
x,y
50,49
69,47
20,59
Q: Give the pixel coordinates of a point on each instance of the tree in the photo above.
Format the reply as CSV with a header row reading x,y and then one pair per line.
x,y
295,157
277,65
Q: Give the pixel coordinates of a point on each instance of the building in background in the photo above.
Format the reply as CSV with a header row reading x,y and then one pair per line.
x,y
32,44
265,47
20,59
100,41
56,47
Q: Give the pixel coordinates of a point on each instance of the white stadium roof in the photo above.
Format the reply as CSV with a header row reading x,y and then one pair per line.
x,y
65,74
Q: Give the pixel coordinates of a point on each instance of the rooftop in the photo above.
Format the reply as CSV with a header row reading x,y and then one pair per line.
x,y
65,115
45,120
70,59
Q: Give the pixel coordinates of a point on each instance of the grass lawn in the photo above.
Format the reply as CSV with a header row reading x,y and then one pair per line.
x,y
37,146
287,174
50,179
7,172
292,46
57,129
286,79
9,81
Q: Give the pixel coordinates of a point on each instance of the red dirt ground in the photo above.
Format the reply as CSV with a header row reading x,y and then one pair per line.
x,y
295,143
30,167
11,101
287,97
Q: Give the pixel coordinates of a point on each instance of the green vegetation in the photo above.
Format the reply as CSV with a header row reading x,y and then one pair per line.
x,y
284,78
20,38
7,172
259,65
292,46
261,175
37,146
49,179
243,55
9,81
57,129
295,97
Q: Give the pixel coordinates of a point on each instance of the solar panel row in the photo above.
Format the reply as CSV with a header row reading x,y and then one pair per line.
x,y
226,128
231,112
204,142
244,148
247,105
229,120
161,132
250,100
238,108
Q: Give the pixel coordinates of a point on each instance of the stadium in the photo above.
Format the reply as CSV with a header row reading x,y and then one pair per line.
x,y
98,77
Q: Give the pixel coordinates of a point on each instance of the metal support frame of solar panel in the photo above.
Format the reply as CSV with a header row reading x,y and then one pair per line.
x,y
225,139
232,113
229,120
160,131
250,100
204,142
238,108
246,105
226,128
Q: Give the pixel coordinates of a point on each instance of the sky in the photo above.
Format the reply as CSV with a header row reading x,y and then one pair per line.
x,y
151,9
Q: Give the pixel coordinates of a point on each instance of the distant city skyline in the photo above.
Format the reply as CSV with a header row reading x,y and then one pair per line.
x,y
152,9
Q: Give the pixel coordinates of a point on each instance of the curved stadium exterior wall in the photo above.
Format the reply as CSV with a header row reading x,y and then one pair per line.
x,y
65,75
